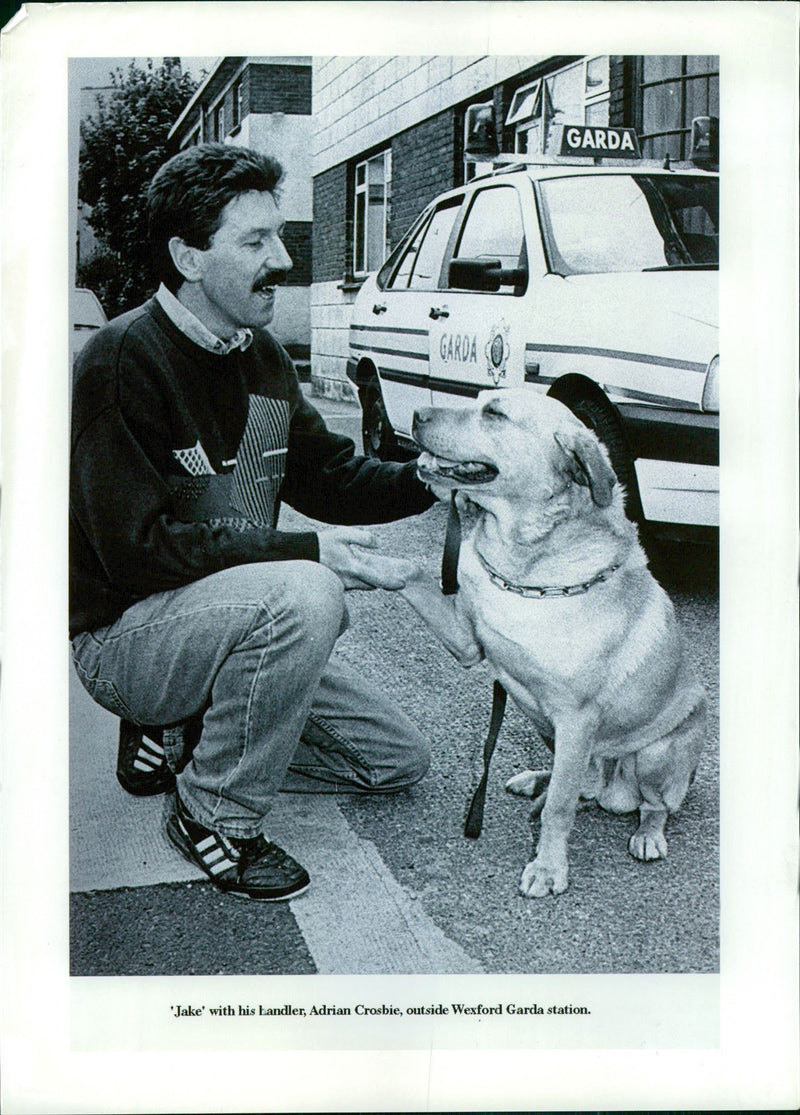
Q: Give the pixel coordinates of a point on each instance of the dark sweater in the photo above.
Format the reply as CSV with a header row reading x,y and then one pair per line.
x,y
180,458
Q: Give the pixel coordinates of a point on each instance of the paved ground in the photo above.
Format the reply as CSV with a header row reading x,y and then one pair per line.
x,y
395,886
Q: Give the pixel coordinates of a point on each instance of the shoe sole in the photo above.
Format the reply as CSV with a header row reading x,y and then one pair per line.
x,y
148,787
177,838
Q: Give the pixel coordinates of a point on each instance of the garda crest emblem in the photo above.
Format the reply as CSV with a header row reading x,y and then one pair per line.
x,y
497,352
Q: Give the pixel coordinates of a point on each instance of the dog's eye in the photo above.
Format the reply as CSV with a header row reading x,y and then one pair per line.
x,y
492,410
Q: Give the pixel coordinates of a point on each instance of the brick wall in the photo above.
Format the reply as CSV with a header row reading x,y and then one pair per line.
x,y
423,165
621,88
331,218
297,238
276,88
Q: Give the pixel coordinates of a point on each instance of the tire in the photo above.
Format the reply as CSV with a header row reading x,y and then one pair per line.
x,y
376,431
601,420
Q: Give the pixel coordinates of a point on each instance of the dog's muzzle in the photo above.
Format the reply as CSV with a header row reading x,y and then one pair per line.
x,y
434,468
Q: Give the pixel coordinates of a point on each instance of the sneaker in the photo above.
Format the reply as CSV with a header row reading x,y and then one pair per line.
x,y
141,763
252,868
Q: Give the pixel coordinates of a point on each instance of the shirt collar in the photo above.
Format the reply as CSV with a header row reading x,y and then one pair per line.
x,y
193,328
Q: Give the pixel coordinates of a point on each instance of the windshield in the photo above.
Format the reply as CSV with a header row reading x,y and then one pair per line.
x,y
596,224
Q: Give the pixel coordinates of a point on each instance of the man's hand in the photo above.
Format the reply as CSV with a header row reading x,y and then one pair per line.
x,y
344,550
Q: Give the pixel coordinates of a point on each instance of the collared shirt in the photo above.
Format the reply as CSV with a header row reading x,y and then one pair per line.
x,y
194,329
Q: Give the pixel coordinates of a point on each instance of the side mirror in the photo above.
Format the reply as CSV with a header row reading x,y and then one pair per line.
x,y
483,275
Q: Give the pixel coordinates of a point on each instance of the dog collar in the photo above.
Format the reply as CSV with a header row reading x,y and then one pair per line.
x,y
539,592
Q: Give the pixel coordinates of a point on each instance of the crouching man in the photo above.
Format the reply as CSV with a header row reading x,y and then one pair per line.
x,y
186,603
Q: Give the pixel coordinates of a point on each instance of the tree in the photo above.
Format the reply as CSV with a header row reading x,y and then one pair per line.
x,y
122,146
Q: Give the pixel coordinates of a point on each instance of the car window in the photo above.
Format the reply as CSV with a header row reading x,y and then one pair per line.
x,y
600,224
493,229
421,264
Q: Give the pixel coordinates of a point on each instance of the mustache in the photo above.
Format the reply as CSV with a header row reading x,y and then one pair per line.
x,y
269,279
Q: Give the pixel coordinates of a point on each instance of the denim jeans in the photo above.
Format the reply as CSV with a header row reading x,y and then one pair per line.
x,y
251,646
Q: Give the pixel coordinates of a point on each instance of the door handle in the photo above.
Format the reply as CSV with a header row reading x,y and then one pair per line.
x,y
439,311
379,308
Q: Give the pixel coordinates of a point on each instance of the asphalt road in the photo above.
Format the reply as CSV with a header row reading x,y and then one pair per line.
x,y
395,886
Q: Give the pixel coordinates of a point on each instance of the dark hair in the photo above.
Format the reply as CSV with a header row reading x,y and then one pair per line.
x,y
189,192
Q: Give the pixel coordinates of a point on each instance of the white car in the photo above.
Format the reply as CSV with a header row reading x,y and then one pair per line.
x,y
87,317
595,284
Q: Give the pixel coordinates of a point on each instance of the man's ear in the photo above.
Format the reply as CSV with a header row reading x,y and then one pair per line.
x,y
187,260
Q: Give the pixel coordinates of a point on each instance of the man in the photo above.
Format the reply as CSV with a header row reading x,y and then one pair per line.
x,y
189,428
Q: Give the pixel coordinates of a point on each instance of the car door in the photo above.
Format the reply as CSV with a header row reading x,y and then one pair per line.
x,y
401,318
477,335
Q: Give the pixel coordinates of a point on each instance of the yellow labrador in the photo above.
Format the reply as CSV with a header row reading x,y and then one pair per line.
x,y
556,595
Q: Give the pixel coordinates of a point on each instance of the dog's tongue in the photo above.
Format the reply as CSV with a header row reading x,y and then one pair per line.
x,y
463,470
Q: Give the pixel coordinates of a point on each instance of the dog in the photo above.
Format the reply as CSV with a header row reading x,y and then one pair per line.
x,y
555,593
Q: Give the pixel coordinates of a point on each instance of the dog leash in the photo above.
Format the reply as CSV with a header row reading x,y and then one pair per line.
x,y
449,583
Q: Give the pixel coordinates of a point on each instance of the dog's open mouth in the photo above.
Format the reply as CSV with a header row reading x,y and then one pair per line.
x,y
460,472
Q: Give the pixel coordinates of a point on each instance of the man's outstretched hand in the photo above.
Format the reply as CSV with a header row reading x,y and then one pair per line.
x,y
351,552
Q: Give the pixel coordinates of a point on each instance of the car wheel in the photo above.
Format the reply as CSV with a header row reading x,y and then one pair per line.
x,y
603,422
377,433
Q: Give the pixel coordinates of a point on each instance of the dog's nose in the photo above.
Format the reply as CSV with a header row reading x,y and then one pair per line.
x,y
422,416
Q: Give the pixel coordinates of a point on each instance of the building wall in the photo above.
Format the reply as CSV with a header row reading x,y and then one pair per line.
x,y
330,237
275,120
360,103
276,87
288,139
424,164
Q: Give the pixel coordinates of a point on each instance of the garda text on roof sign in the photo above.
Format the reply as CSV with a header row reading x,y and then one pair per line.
x,y
613,143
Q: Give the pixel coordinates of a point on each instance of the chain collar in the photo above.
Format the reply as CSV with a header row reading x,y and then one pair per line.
x,y
539,592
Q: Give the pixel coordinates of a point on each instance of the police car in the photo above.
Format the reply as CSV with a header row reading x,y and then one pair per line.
x,y
592,279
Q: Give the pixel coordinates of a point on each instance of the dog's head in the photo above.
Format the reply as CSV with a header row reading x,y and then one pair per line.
x,y
514,445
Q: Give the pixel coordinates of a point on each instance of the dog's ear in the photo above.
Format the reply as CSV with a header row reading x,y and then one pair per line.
x,y
585,463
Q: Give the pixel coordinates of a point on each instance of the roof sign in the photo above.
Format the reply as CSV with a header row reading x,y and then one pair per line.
x,y
608,143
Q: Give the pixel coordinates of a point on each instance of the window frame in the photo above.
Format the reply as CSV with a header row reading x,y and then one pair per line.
x,y
361,190
459,227
681,80
218,121
537,118
421,230
237,102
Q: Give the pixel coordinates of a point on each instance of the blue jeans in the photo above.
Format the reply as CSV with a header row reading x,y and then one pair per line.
x,y
252,647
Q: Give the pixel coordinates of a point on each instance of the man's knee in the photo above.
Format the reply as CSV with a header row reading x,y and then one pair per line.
x,y
318,599
300,596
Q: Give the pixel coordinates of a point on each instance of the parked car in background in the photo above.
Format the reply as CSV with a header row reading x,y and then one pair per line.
x,y
597,284
86,315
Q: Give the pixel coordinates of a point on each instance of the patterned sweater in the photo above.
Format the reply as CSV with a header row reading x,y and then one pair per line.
x,y
180,458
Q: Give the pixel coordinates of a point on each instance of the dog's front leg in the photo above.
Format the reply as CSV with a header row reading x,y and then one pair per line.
x,y
548,872
444,617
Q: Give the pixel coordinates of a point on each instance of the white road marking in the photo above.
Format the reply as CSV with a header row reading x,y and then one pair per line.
x,y
355,917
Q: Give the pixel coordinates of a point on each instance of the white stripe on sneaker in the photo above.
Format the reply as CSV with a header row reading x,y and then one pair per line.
x,y
215,852
147,747
218,868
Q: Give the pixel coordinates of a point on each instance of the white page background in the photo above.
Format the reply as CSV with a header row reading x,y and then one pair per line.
x,y
755,1064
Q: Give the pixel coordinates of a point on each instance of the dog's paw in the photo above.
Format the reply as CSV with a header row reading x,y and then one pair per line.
x,y
648,845
529,784
540,879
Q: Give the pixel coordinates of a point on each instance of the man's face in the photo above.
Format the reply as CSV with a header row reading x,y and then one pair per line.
x,y
239,270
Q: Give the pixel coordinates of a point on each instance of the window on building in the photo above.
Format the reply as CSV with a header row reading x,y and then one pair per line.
x,y
219,122
493,229
237,103
373,195
576,94
673,89
421,264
